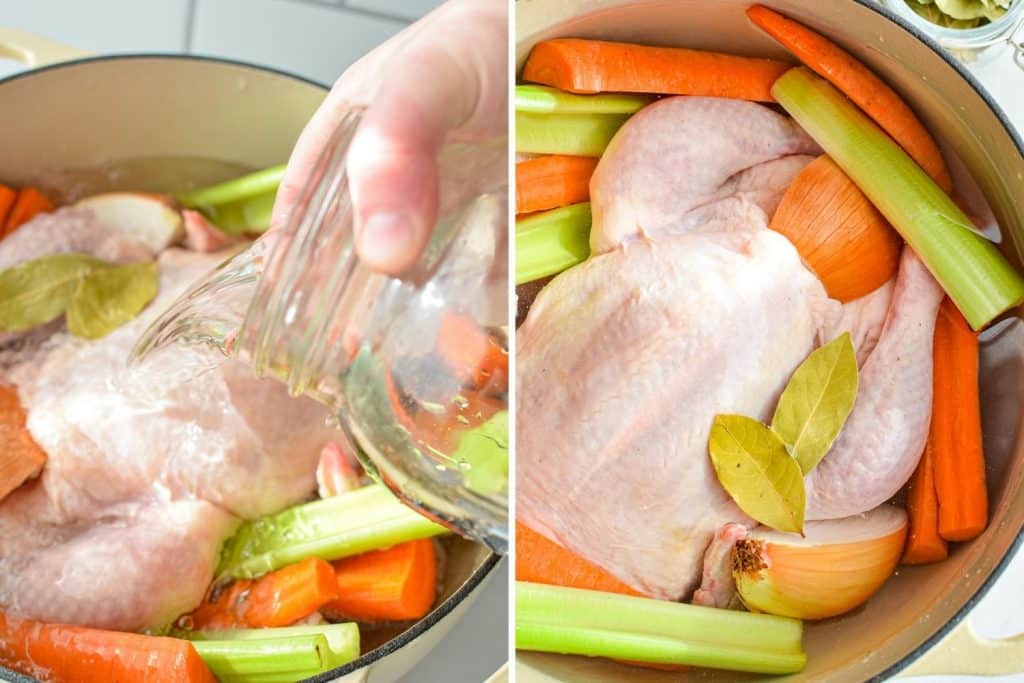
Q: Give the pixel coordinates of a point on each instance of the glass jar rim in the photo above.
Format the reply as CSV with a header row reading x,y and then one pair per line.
x,y
991,33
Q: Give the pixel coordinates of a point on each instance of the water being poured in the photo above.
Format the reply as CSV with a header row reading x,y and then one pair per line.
x,y
415,368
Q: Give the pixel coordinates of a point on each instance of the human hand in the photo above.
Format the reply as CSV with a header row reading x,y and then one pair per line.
x,y
442,78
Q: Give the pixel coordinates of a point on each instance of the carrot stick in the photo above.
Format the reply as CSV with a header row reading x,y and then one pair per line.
x,y
471,353
7,197
21,458
280,598
590,66
924,544
552,181
29,202
73,654
860,84
395,584
955,434
540,560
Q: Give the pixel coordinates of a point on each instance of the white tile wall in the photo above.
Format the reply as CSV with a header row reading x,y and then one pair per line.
x,y
408,9
314,40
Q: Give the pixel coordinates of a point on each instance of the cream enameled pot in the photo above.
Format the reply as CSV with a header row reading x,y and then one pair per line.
x,y
79,112
922,607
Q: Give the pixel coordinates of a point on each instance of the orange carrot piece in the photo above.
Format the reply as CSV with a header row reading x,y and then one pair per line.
x,y
394,584
7,197
21,458
955,434
860,84
590,66
30,202
540,560
924,544
837,231
549,182
472,354
73,654
280,598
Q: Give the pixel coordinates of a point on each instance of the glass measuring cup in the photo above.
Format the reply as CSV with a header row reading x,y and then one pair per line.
x,y
415,368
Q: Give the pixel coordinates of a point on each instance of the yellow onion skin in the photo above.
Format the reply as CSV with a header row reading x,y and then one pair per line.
x,y
813,581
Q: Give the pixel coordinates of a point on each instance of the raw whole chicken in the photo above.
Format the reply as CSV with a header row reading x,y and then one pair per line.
x,y
690,307
149,468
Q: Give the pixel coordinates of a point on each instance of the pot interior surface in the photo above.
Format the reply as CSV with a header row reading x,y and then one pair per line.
x,y
919,602
164,124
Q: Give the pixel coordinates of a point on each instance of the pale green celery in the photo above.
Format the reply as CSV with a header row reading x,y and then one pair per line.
x,y
580,134
977,277
251,214
596,624
348,524
482,455
544,100
307,654
342,639
257,183
552,241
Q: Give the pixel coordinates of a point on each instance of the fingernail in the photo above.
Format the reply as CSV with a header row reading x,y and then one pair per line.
x,y
386,236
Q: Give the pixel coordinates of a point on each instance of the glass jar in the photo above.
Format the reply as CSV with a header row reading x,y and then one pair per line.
x,y
415,368
972,46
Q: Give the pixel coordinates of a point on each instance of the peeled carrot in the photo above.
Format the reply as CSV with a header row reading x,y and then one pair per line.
x,y
29,202
21,458
860,84
471,353
924,544
280,598
591,66
73,654
540,560
552,181
838,231
7,197
395,584
955,435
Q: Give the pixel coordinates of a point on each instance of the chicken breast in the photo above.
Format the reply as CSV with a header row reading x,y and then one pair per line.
x,y
623,362
149,469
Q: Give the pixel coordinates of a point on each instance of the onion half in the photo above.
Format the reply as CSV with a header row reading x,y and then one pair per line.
x,y
835,567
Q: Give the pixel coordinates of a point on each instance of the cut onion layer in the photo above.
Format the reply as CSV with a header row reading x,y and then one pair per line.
x,y
834,568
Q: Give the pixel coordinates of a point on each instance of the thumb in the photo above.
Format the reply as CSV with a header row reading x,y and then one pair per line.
x,y
392,159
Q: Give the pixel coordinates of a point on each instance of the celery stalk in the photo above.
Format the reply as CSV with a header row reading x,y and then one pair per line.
x,y
978,278
550,242
307,654
655,649
544,100
251,214
596,624
580,134
342,639
259,182
351,523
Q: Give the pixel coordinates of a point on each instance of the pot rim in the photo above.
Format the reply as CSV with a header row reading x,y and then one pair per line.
x,y
476,577
1018,543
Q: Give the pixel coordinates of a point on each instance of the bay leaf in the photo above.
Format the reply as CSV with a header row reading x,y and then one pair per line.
x,y
38,291
817,401
109,297
753,465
